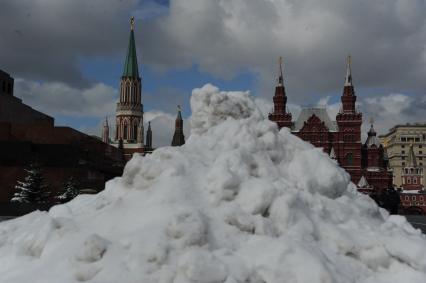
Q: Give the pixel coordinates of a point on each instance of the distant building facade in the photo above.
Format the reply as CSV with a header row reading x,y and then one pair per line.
x,y
341,138
27,136
398,142
405,145
129,129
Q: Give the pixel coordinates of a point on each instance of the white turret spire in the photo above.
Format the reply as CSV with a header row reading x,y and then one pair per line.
x,y
105,131
348,79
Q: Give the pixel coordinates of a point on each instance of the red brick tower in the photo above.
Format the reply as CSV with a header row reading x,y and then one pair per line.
x,y
348,143
374,164
178,137
280,115
412,174
129,108
105,131
129,113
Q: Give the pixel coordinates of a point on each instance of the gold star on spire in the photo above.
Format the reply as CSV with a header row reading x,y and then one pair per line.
x,y
132,23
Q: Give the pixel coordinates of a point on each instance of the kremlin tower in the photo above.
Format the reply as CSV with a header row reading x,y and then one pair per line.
x,y
129,112
178,137
280,115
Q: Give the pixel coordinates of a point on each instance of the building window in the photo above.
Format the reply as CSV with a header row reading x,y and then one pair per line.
x,y
403,157
408,180
403,163
417,139
414,180
407,198
421,163
349,159
403,152
420,152
135,131
125,131
421,198
402,146
420,146
413,198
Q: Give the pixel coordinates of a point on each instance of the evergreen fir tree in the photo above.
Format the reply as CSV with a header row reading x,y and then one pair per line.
x,y
69,191
32,189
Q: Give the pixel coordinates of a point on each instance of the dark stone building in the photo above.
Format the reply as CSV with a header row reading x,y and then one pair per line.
x,y
28,136
341,139
6,83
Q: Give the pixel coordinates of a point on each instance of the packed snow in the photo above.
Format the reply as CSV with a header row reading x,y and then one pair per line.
x,y
239,202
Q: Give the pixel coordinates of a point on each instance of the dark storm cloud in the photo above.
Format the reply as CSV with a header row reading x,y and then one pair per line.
x,y
46,40
387,40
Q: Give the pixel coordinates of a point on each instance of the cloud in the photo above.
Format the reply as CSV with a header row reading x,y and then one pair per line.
x,y
151,9
386,38
392,109
385,110
44,42
163,126
47,39
57,98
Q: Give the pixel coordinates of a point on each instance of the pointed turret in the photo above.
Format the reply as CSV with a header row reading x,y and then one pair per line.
x,y
362,183
131,63
140,133
129,113
411,161
372,139
412,175
148,143
348,79
178,137
348,97
280,115
105,131
280,77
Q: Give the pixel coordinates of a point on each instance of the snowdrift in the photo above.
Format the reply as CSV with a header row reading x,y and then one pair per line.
x,y
239,202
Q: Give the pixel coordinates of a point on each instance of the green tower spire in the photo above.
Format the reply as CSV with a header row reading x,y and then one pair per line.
x,y
131,63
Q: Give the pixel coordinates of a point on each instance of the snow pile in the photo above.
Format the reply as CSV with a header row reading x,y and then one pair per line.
x,y
239,202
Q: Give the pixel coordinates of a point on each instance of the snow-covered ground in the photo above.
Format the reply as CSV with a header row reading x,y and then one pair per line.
x,y
239,202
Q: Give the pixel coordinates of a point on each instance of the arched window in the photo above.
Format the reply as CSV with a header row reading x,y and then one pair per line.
x,y
127,92
349,159
125,131
408,180
414,180
135,131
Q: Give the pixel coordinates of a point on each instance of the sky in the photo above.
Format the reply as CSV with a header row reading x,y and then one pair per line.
x,y
67,55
